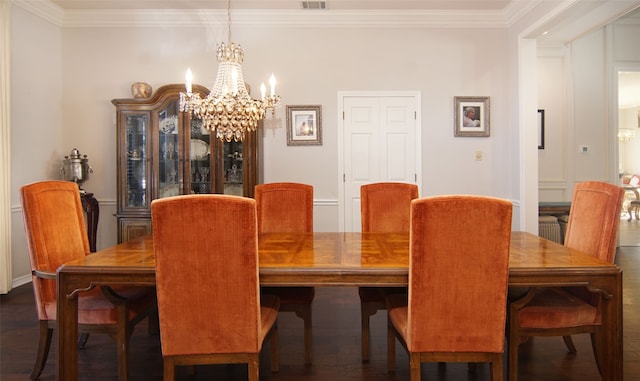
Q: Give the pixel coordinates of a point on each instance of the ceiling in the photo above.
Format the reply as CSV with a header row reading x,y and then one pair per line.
x,y
563,20
289,4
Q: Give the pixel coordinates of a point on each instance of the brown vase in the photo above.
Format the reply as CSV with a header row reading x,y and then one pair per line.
x,y
140,90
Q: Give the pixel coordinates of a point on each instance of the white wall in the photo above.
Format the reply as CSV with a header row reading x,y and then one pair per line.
x,y
312,65
576,92
552,98
37,134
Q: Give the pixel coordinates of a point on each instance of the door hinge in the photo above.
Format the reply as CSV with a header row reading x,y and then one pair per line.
x,y
415,177
415,115
344,178
343,115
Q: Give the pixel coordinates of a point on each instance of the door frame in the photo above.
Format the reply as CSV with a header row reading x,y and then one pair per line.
x,y
417,96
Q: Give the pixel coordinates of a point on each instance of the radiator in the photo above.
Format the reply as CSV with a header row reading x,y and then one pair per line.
x,y
549,228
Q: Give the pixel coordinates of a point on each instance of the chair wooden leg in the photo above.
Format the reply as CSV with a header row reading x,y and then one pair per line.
x,y
513,361
123,360
304,312
414,366
254,368
44,344
122,341
568,341
596,352
169,369
496,368
513,345
391,349
275,362
366,311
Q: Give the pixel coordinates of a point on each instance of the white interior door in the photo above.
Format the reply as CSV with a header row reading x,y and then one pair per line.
x,y
380,142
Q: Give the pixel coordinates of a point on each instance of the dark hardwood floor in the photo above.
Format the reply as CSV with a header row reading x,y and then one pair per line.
x,y
336,335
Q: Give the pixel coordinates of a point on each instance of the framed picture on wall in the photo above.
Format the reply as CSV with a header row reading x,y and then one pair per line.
x,y
304,125
471,116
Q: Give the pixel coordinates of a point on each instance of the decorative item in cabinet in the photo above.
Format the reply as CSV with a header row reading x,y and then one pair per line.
x,y
162,152
236,165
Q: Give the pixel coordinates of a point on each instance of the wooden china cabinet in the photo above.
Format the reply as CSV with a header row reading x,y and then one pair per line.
x,y
162,152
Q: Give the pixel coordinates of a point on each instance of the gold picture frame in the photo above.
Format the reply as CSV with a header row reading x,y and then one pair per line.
x,y
304,125
471,116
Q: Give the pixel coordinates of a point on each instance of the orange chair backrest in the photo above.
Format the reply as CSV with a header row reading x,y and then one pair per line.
x,y
206,252
458,274
386,207
55,231
284,207
594,219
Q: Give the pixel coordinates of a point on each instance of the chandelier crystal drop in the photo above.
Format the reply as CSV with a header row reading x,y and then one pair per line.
x,y
625,135
229,110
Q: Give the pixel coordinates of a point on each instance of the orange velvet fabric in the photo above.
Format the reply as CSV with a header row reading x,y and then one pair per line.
x,y
56,233
594,219
206,249
284,207
593,229
386,207
554,308
458,275
54,224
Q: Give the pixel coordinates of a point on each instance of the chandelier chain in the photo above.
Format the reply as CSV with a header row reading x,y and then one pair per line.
x,y
228,20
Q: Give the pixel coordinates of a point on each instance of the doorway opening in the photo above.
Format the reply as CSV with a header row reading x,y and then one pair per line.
x,y
629,154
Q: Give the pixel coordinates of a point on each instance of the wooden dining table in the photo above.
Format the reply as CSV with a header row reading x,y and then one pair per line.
x,y
347,259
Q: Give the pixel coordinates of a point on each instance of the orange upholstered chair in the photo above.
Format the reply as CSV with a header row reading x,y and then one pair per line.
x,y
55,230
592,229
384,208
458,277
209,304
288,207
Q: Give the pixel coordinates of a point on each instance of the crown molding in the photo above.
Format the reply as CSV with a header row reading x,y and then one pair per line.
x,y
114,18
43,9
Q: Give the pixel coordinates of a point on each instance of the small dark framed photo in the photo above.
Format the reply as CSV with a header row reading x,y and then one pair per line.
x,y
471,116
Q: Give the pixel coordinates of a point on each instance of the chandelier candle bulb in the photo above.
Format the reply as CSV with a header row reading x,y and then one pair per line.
x,y
263,90
189,77
272,82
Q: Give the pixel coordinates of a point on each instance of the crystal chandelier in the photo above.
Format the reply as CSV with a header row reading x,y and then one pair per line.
x,y
625,135
229,110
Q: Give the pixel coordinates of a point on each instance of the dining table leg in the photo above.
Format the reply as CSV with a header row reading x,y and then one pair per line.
x,y
67,329
609,336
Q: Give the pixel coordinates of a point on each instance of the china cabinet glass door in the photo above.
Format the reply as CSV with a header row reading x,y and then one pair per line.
x,y
200,158
136,179
168,154
233,168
